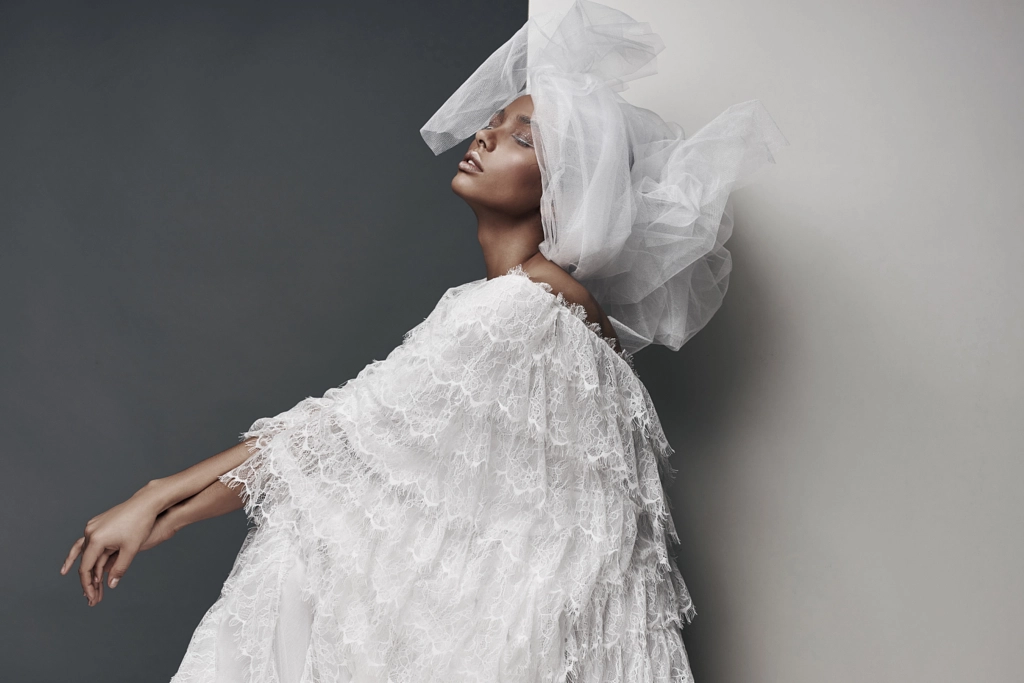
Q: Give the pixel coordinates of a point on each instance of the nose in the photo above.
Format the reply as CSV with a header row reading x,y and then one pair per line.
x,y
481,136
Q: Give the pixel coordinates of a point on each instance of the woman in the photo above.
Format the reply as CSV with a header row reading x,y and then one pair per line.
x,y
487,503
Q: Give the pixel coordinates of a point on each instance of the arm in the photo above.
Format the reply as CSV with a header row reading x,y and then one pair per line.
x,y
149,517
213,501
166,492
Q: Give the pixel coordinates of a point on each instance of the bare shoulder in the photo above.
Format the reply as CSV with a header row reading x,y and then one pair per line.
x,y
571,290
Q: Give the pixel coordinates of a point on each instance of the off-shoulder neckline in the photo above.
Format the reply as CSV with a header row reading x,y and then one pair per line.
x,y
576,310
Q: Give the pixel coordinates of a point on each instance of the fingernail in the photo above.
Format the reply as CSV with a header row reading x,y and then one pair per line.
x,y
113,583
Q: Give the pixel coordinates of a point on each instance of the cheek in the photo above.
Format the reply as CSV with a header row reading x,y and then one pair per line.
x,y
511,182
527,177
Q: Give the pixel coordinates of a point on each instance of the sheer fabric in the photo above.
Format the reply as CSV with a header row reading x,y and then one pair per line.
x,y
636,211
485,504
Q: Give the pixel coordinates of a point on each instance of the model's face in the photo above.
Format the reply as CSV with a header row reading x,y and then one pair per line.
x,y
507,178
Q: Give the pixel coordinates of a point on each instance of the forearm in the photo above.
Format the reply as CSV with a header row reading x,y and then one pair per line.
x,y
213,501
168,491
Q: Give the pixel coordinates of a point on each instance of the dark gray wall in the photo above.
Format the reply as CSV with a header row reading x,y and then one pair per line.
x,y
207,213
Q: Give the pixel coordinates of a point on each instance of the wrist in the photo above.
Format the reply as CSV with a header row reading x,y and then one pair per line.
x,y
155,495
174,517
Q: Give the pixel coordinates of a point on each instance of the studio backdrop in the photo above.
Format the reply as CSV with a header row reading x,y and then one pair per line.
x,y
209,211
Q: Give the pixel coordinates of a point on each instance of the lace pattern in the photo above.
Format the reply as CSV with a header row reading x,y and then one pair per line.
x,y
578,311
485,504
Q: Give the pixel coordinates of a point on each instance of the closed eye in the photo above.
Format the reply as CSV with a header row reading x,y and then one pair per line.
x,y
521,141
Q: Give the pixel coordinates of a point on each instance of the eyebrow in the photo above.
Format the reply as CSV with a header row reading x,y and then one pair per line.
x,y
521,118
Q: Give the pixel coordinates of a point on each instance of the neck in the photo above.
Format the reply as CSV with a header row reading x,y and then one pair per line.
x,y
507,241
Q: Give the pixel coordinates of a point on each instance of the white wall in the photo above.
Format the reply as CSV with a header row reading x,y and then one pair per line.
x,y
850,425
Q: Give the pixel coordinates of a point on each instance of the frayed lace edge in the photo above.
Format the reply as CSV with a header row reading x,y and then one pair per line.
x,y
580,313
253,478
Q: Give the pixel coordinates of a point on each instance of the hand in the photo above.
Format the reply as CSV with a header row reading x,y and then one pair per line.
x,y
111,541
163,530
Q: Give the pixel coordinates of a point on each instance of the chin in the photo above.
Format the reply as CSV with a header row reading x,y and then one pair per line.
x,y
455,186
459,186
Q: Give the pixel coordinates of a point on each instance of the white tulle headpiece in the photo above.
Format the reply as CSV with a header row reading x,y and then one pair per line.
x,y
635,211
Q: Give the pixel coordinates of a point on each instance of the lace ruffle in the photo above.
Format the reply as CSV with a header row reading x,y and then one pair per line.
x,y
485,504
580,312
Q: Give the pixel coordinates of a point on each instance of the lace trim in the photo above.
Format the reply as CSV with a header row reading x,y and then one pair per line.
x,y
485,503
578,312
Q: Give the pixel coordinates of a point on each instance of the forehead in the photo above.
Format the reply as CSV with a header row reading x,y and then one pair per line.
x,y
521,105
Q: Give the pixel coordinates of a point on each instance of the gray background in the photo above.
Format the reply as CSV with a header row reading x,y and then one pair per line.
x,y
211,211
207,213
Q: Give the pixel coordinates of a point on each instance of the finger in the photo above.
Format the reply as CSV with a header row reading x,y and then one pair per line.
x,y
110,565
120,566
70,560
85,578
97,572
92,552
105,560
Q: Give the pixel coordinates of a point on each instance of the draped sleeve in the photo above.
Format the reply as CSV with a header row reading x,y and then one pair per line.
x,y
487,503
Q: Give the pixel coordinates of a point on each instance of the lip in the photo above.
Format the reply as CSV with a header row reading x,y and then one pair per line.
x,y
475,166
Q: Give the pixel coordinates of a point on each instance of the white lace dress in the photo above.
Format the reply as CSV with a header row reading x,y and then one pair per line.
x,y
485,504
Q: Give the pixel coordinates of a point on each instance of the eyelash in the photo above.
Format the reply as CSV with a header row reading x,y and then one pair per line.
x,y
521,142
